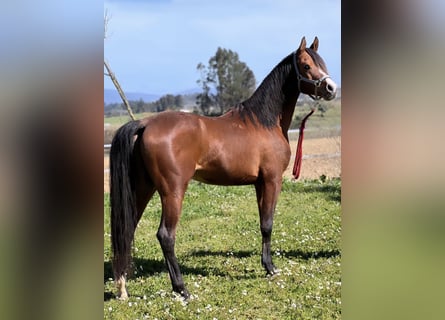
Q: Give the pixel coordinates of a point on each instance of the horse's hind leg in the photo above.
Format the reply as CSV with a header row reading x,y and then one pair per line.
x,y
143,193
267,196
171,211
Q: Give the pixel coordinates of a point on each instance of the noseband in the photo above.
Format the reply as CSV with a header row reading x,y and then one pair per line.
x,y
300,77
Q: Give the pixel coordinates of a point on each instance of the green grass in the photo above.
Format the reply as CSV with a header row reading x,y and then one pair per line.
x,y
218,248
120,120
113,123
327,124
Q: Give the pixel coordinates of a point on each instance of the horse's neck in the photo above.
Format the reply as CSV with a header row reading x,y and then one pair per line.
x,y
287,114
274,100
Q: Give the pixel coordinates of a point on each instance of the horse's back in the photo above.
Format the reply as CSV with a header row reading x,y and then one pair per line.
x,y
224,150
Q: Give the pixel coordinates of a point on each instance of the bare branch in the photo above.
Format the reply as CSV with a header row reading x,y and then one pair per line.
x,y
119,89
107,18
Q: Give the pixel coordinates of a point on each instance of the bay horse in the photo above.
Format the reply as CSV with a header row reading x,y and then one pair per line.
x,y
246,145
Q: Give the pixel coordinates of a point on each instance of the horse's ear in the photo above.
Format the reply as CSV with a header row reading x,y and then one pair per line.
x,y
302,44
314,45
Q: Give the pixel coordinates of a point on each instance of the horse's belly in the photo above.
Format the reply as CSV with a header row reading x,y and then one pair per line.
x,y
224,177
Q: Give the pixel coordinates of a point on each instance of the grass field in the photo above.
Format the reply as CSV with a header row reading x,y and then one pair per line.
x,y
120,120
218,248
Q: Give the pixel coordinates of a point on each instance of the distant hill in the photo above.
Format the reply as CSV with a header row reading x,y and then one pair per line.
x,y
190,91
112,96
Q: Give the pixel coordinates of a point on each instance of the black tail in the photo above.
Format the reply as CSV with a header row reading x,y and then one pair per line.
x,y
123,208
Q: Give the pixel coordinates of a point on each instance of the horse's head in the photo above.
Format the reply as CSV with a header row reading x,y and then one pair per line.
x,y
312,74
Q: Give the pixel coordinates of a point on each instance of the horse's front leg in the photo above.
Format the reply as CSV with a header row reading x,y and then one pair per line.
x,y
267,195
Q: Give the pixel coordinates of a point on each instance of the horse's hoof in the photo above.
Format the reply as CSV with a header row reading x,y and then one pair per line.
x,y
273,272
270,269
182,291
185,294
123,296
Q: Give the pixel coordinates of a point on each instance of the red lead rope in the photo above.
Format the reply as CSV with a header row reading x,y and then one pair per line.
x,y
299,154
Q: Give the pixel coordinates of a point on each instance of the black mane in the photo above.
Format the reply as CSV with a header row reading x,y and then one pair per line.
x,y
266,103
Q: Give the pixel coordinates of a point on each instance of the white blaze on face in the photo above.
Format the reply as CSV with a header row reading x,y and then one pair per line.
x,y
331,86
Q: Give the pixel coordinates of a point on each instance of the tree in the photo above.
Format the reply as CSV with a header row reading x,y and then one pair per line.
x,y
231,79
322,107
205,100
139,107
168,101
179,102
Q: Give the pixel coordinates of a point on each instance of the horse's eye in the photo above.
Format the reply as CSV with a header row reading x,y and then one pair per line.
x,y
307,67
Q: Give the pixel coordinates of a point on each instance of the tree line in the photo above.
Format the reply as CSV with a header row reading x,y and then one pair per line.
x,y
224,81
166,102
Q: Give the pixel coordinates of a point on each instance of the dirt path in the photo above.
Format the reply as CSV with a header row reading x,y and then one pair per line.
x,y
321,156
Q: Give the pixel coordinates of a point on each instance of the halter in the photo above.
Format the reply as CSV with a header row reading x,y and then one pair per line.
x,y
316,83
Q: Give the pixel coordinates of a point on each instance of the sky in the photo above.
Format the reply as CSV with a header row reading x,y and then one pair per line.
x,y
154,46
